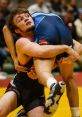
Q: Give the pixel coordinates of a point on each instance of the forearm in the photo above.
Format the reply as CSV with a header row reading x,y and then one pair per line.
x,y
77,47
53,50
50,51
42,51
46,51
9,42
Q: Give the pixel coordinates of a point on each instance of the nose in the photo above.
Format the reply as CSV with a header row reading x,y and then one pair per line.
x,y
25,18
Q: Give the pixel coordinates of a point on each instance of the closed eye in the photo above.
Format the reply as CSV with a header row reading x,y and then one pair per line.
x,y
19,19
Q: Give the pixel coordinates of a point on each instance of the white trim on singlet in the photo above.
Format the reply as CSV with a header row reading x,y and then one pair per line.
x,y
39,22
45,14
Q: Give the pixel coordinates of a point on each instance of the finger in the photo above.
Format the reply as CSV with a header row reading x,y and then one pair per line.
x,y
23,69
76,55
31,72
34,74
30,75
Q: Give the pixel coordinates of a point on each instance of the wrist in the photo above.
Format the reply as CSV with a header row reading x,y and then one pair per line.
x,y
66,48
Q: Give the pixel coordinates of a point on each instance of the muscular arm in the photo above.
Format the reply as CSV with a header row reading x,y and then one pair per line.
x,y
32,49
9,42
26,47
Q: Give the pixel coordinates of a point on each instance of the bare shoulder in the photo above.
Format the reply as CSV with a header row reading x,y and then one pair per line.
x,y
22,42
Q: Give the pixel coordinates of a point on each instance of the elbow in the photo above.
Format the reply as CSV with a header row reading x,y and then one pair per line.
x,y
4,28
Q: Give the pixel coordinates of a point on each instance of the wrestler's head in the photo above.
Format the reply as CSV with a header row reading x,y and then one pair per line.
x,y
20,20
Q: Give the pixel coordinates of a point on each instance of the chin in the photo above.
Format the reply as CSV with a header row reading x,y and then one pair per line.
x,y
30,28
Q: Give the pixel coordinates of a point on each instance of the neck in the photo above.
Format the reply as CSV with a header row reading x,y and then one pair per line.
x,y
29,35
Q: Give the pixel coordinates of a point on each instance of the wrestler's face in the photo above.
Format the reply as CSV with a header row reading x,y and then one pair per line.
x,y
23,22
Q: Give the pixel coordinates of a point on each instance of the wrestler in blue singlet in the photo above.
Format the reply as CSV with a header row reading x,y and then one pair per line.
x,y
51,28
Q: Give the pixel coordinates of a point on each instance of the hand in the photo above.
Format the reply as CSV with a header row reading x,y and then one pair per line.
x,y
19,67
32,74
66,60
73,53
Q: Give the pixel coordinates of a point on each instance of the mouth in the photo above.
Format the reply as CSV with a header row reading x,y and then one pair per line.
x,y
28,22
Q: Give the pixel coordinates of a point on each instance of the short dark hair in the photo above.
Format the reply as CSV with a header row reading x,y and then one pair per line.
x,y
9,22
